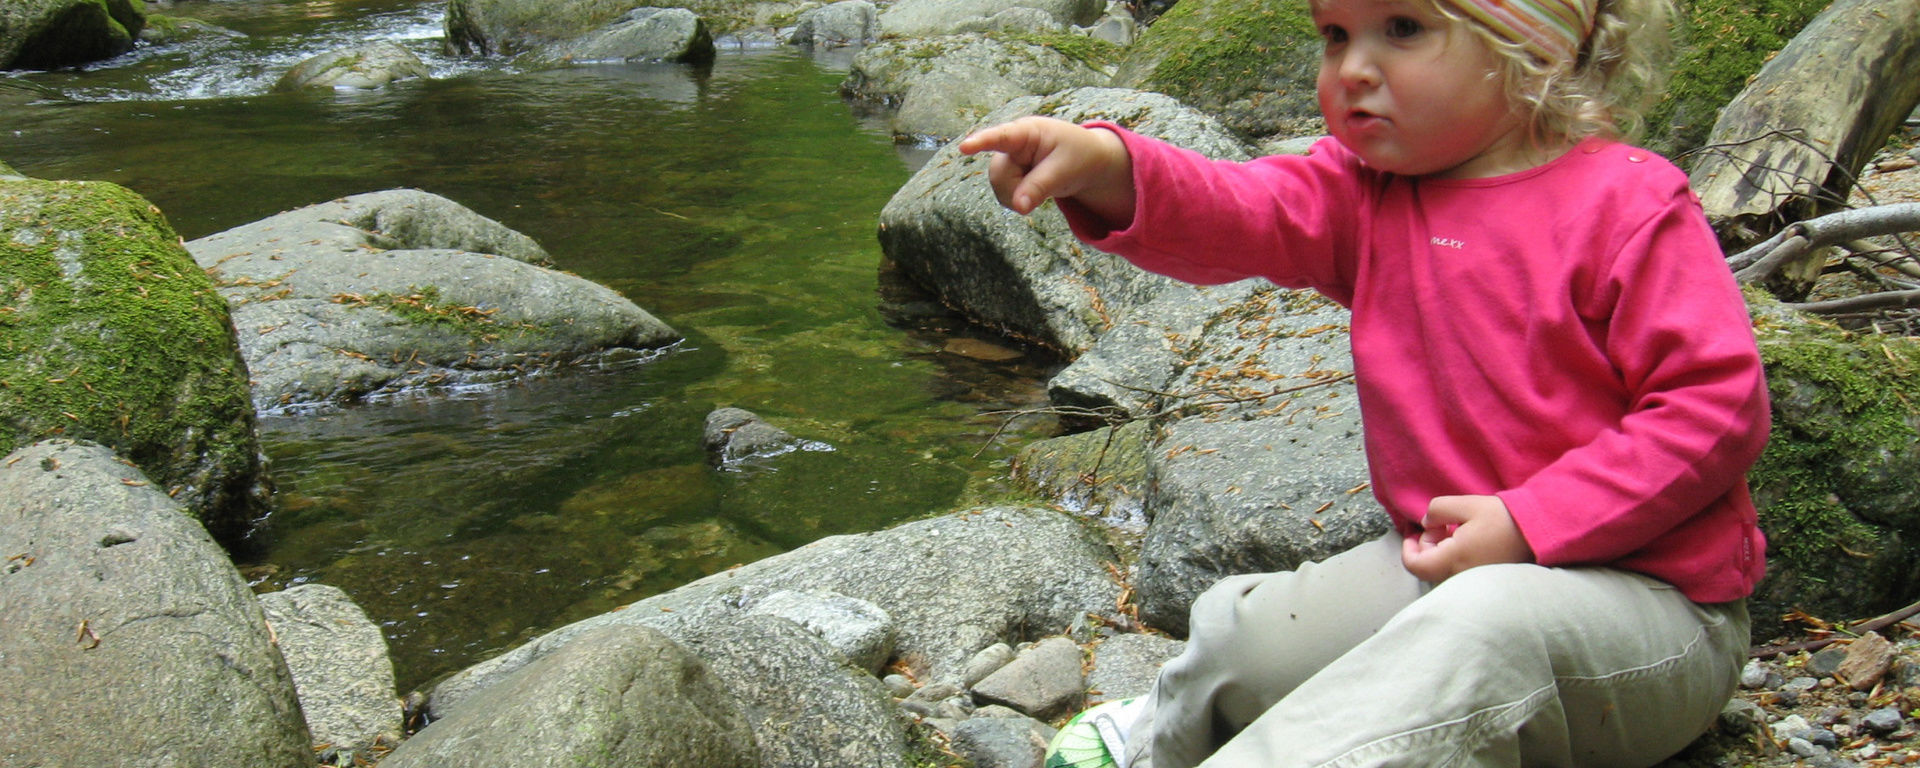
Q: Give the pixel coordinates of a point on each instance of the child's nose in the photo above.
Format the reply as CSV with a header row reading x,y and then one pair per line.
x,y
1358,69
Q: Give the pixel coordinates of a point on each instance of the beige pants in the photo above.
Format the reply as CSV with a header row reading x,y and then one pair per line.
x,y
1354,662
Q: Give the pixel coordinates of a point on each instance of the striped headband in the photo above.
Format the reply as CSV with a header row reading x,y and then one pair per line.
x,y
1550,29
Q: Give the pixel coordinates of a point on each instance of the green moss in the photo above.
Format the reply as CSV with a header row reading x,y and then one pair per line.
x,y
1226,47
110,333
1090,51
1722,45
1843,408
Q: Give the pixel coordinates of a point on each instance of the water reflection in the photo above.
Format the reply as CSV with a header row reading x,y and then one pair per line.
x,y
736,202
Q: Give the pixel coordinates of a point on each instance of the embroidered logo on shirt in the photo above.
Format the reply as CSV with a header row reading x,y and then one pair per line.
x,y
1448,242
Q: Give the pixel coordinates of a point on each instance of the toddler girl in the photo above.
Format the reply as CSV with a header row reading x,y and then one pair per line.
x,y
1558,378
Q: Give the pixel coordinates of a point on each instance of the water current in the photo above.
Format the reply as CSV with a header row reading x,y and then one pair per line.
x,y
737,202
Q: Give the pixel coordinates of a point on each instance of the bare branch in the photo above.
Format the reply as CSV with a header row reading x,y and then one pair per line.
x,y
1757,263
1868,303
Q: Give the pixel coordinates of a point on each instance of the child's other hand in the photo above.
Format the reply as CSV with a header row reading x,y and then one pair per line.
x,y
1460,532
1042,157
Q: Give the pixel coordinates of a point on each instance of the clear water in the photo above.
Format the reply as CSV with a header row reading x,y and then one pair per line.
x,y
738,203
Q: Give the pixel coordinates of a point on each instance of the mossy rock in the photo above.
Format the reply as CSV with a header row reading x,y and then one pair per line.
x,y
48,34
1720,45
1252,63
512,27
110,333
1835,486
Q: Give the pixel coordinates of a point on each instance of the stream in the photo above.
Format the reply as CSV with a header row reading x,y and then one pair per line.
x,y
736,202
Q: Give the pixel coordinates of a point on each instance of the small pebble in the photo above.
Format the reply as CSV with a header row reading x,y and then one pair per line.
x,y
1804,748
1883,721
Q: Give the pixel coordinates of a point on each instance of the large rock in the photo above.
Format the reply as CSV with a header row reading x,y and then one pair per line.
x,y
806,706
929,18
1028,276
340,669
47,34
642,34
1251,64
512,27
953,585
623,695
129,638
1835,486
368,66
401,289
109,332
848,22
1243,480
941,86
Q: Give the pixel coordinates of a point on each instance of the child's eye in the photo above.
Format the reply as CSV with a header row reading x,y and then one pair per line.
x,y
1401,27
1333,33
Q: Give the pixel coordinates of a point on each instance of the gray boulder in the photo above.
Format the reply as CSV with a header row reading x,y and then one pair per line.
x,y
1125,666
168,30
129,637
733,435
122,341
513,27
941,86
861,632
1028,276
848,22
48,34
368,66
623,695
641,34
1045,681
929,18
340,669
1130,366
397,290
952,584
1000,742
806,706
1242,479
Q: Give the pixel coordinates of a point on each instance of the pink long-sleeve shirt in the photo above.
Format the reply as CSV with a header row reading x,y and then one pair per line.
x,y
1567,338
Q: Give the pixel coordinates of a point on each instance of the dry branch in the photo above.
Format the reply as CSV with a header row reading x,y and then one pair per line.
x,y
1760,262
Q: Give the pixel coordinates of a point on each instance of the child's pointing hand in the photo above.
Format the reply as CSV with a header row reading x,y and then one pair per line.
x,y
1460,532
1042,157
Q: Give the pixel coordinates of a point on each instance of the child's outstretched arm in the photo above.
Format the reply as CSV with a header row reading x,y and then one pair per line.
x,y
1043,157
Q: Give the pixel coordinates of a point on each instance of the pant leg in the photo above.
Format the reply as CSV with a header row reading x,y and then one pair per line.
x,y
1512,665
1254,638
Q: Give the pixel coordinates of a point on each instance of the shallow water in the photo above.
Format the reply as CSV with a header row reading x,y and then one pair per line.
x,y
737,202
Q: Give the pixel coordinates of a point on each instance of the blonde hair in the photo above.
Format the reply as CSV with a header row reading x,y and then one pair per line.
x,y
1604,90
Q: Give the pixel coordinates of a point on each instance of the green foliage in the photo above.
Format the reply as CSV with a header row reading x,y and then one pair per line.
x,y
1722,45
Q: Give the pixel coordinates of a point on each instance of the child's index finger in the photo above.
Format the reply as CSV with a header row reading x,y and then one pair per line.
x,y
983,140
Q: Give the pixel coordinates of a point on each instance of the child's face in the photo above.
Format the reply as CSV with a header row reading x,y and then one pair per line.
x,y
1413,92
